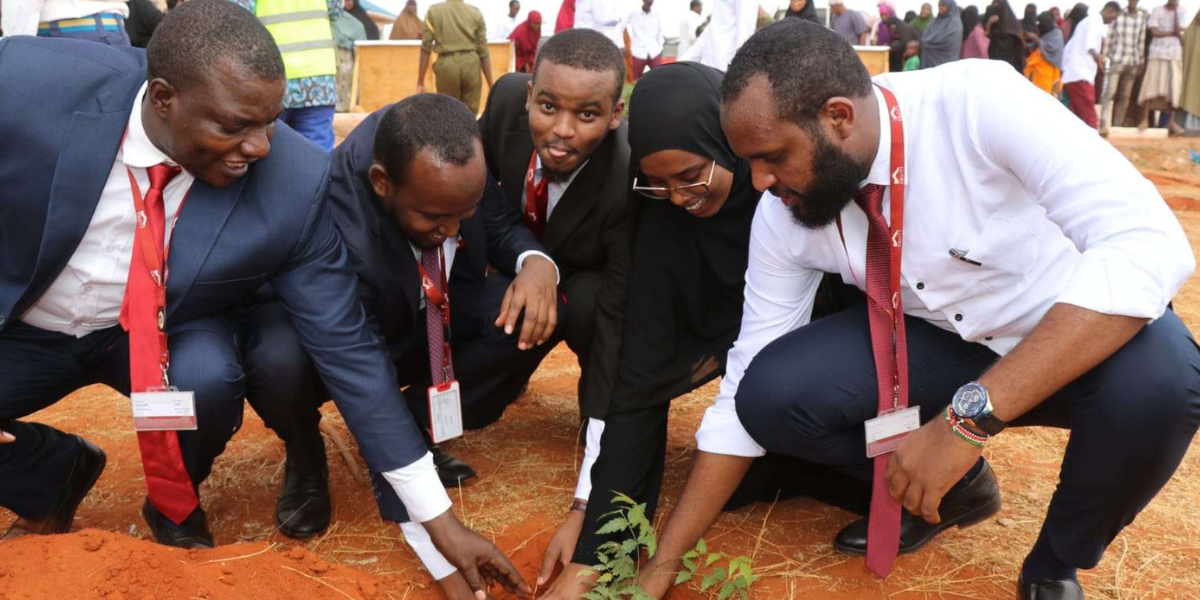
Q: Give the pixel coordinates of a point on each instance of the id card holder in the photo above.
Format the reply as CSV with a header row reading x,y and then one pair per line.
x,y
445,411
165,409
885,432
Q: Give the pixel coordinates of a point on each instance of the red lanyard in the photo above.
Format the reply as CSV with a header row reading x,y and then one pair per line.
x,y
899,181
532,191
155,257
440,299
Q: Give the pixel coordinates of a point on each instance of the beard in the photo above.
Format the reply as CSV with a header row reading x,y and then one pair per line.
x,y
836,179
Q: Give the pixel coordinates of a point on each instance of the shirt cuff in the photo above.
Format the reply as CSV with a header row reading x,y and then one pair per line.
x,y
591,451
526,254
418,539
722,433
420,489
1116,285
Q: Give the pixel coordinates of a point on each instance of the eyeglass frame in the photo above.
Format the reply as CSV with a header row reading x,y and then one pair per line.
x,y
648,191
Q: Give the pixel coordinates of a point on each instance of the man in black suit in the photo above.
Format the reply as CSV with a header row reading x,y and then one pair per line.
x,y
408,183
574,189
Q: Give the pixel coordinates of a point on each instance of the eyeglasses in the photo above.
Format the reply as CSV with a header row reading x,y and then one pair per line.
x,y
694,190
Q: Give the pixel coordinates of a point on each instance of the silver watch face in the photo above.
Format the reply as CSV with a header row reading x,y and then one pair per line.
x,y
970,401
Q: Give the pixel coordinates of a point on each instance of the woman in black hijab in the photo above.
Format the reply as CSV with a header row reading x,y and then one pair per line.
x,y
694,202
902,34
1004,32
802,9
360,13
1030,22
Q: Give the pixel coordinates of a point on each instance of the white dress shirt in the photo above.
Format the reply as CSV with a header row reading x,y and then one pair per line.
x,y
687,30
645,34
87,295
603,16
23,16
733,22
1088,37
998,170
505,28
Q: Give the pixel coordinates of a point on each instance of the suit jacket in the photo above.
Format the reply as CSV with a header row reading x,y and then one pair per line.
x,y
589,229
389,284
64,107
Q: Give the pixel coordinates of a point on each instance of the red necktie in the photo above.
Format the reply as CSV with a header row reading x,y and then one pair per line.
x,y
890,352
537,198
167,481
441,368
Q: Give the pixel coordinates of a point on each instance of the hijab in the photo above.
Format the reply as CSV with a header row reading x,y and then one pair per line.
x,y
922,22
887,13
1006,42
566,16
686,281
368,23
943,39
408,26
904,34
808,13
975,41
910,16
525,41
1030,22
1050,39
970,19
1076,16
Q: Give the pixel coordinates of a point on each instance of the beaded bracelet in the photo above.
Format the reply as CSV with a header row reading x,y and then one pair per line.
x,y
964,431
579,505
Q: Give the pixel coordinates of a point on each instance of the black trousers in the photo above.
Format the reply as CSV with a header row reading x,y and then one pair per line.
x,y
284,389
1131,418
38,368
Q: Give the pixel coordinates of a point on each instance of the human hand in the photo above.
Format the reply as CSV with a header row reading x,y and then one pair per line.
x,y
658,577
480,563
571,584
7,438
534,292
926,465
420,88
562,546
454,587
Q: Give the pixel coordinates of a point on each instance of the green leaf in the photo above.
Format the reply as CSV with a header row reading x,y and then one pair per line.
x,y
702,546
613,526
726,591
629,546
619,498
637,516
691,554
708,581
690,565
712,558
683,577
605,578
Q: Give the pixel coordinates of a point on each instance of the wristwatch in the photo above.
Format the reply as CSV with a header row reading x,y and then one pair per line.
x,y
971,401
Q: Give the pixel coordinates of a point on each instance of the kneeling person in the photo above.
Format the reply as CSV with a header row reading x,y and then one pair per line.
x,y
413,201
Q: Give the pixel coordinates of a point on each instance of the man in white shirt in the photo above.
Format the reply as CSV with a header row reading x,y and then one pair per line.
x,y
645,38
732,23
603,16
1081,59
692,20
509,23
93,20
1037,268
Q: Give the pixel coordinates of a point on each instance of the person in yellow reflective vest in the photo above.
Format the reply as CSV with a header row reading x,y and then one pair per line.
x,y
457,32
303,31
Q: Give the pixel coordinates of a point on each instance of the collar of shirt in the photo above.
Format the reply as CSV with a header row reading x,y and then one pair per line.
x,y
449,250
138,151
561,187
882,165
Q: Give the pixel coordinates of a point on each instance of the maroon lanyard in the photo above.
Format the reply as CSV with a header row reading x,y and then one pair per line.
x,y
441,300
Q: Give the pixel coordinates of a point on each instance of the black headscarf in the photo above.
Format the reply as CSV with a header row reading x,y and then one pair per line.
x,y
368,23
1076,16
1051,42
1006,42
910,16
905,33
1030,22
808,13
970,18
685,284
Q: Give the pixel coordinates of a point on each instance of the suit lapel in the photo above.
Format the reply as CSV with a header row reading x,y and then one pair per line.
x,y
514,164
575,204
199,223
396,253
79,178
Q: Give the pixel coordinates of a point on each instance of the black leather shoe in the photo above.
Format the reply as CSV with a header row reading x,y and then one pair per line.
x,y
975,502
1049,589
304,508
451,471
193,533
89,464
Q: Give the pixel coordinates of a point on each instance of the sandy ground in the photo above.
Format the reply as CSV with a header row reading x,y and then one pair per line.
x,y
528,464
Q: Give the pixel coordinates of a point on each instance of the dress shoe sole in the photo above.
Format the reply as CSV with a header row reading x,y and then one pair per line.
x,y
967,519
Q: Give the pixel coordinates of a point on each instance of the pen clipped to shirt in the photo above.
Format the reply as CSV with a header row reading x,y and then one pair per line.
x,y
961,255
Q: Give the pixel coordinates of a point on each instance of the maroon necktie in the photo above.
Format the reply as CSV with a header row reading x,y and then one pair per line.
x,y
439,370
167,481
889,348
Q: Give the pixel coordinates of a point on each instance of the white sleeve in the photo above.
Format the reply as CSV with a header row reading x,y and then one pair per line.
x,y
1135,253
779,299
747,23
526,254
695,53
419,488
418,539
591,451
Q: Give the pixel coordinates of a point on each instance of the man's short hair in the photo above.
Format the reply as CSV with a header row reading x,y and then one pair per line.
x,y
805,64
514,2
1112,6
585,49
433,121
696,4
196,36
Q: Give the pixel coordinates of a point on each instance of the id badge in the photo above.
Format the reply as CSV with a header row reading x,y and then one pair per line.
x,y
164,410
885,432
445,412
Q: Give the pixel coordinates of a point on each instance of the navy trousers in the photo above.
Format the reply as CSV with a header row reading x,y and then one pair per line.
x,y
1131,418
38,368
284,389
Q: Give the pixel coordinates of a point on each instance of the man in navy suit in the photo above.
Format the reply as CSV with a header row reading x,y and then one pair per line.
x,y
85,127
409,192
